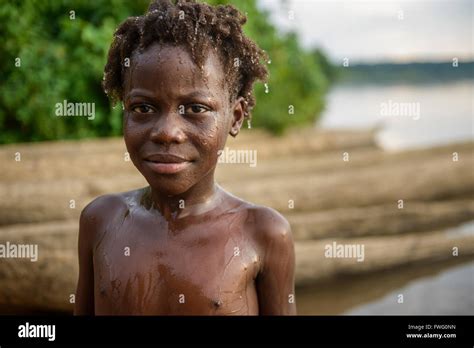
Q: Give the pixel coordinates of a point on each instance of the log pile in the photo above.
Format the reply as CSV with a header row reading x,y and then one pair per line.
x,y
401,206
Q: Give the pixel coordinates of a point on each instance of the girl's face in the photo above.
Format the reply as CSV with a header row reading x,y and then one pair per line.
x,y
176,117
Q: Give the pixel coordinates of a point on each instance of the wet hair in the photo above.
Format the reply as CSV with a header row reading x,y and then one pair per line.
x,y
198,27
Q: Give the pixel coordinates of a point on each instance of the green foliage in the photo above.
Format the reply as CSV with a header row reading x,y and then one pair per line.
x,y
63,59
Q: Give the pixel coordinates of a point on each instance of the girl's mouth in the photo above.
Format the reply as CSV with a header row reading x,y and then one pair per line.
x,y
167,168
166,163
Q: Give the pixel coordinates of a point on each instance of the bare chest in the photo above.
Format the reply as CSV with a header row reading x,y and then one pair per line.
x,y
147,270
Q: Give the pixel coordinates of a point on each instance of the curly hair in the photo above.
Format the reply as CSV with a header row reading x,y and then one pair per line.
x,y
198,27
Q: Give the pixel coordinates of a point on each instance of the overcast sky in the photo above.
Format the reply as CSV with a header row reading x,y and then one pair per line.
x,y
380,30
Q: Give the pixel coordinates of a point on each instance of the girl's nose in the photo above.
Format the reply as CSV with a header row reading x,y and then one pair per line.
x,y
168,129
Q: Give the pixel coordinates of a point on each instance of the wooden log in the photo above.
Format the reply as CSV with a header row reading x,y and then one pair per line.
x,y
48,283
380,220
380,253
421,175
426,178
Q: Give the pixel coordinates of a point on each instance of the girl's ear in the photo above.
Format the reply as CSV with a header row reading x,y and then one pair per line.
x,y
238,115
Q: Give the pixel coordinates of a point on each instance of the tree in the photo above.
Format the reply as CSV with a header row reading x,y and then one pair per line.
x,y
56,50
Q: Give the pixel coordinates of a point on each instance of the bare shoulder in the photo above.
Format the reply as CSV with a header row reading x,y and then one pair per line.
x,y
269,227
272,233
269,223
263,222
101,206
102,209
273,223
275,279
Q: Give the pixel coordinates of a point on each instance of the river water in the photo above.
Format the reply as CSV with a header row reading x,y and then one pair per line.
x,y
407,115
439,288
440,114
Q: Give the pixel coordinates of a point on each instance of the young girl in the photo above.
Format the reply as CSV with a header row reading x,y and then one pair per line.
x,y
183,245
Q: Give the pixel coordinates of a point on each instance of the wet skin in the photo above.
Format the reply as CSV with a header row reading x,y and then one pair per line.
x,y
182,245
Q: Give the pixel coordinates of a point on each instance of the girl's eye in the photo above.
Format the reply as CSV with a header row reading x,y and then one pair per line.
x,y
143,109
196,109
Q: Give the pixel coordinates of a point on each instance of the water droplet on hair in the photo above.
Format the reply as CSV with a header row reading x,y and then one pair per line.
x,y
266,87
269,61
